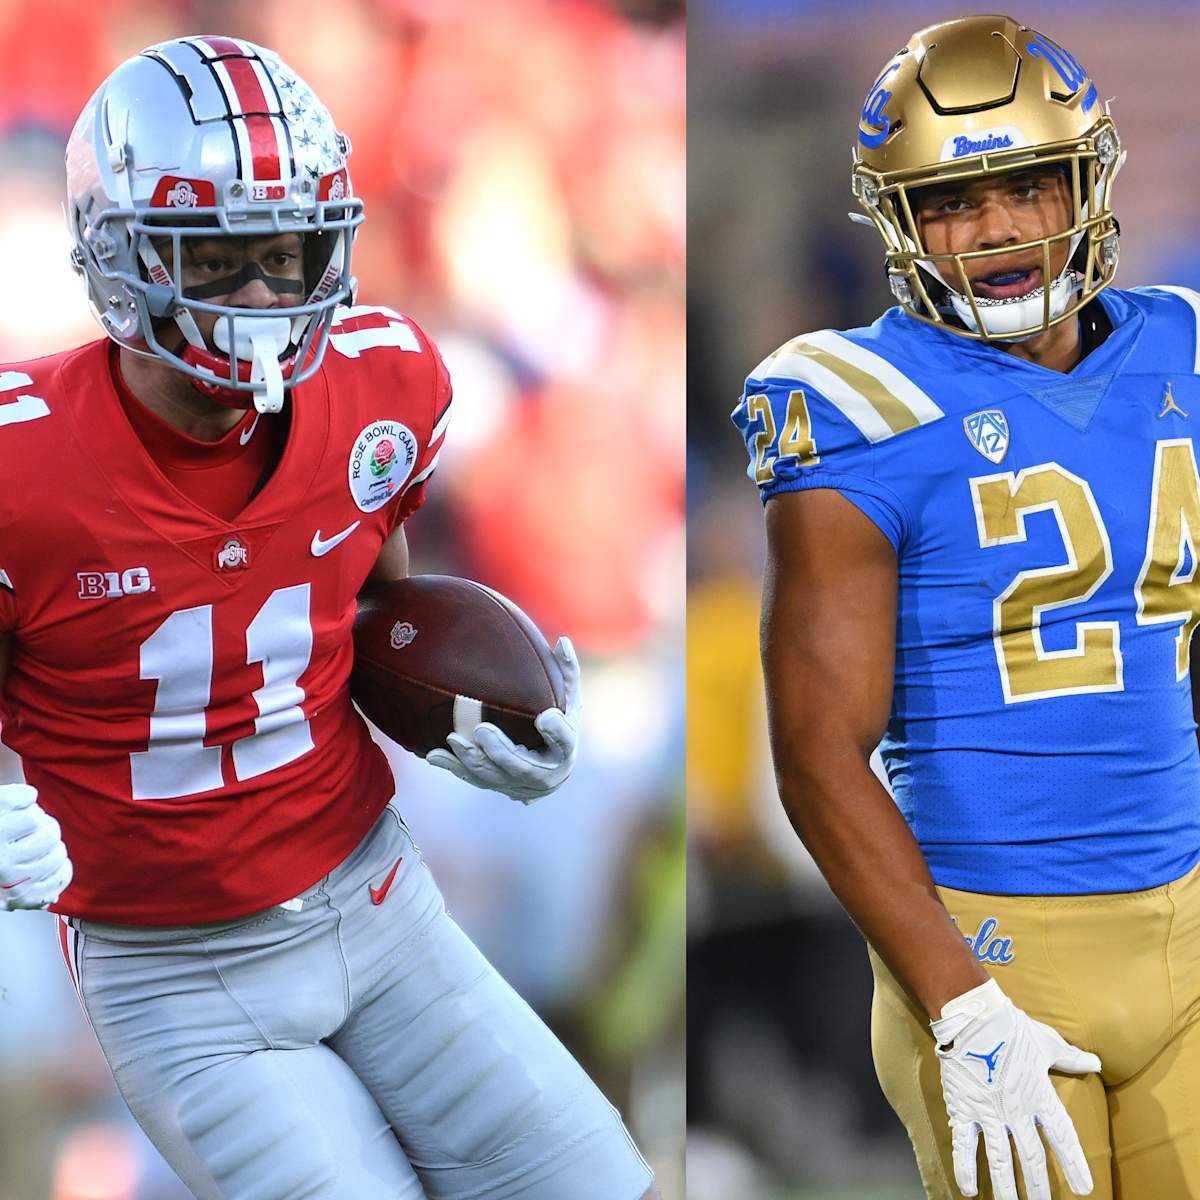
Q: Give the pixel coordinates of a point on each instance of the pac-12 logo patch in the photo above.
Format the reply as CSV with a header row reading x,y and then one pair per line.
x,y
382,460
987,431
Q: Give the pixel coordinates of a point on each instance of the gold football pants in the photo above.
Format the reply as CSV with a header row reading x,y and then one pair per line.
x,y
1115,974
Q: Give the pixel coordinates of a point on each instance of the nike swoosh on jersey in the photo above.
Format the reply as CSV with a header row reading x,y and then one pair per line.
x,y
379,894
324,545
249,433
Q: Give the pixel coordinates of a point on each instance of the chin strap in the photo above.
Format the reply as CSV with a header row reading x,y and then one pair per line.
x,y
259,341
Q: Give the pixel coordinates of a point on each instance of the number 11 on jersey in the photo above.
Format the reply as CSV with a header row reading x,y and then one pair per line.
x,y
179,654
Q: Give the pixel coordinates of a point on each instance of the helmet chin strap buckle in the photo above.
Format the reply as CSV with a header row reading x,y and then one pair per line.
x,y
259,341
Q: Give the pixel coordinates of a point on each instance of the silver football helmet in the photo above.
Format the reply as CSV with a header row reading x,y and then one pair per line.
x,y
197,137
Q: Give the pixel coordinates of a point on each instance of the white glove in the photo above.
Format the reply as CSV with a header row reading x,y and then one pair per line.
x,y
490,759
34,867
994,1080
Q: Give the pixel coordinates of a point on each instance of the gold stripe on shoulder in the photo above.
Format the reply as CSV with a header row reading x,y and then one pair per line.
x,y
871,392
893,411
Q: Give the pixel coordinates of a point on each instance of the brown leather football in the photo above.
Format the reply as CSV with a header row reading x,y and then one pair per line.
x,y
435,653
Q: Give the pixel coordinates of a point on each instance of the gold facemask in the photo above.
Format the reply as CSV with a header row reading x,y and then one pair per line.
x,y
974,97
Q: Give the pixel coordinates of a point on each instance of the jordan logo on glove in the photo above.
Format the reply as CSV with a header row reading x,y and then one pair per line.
x,y
990,1059
1015,1108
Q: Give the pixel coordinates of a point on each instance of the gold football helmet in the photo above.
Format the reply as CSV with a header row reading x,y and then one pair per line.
x,y
968,98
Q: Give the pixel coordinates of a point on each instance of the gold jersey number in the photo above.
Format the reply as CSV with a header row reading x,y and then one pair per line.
x,y
1164,592
796,441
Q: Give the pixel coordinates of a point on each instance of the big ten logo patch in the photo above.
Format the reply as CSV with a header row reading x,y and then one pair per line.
x,y
100,585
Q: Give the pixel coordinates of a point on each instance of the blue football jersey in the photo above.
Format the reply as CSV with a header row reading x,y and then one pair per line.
x,y
1047,527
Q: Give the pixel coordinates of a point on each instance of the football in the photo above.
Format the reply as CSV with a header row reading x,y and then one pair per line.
x,y
435,654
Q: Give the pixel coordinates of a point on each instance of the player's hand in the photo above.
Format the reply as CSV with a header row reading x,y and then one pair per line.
x,y
490,759
994,1061
34,867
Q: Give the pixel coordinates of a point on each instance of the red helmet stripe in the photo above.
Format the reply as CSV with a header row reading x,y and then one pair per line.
x,y
264,147
222,45
248,100
248,94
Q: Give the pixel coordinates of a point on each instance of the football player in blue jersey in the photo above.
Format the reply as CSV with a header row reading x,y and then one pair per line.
x,y
983,517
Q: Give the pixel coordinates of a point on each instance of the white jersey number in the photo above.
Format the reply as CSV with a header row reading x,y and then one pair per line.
x,y
397,332
179,654
23,408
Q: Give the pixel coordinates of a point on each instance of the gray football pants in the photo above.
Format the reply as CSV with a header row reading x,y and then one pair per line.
x,y
350,1050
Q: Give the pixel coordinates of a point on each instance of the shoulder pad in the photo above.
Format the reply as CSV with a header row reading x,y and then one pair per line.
x,y
869,391
1192,299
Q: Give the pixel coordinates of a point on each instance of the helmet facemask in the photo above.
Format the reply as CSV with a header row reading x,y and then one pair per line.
x,y
1091,242
254,353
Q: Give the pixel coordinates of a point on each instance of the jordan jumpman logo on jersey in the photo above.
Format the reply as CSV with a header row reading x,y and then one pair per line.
x,y
1169,405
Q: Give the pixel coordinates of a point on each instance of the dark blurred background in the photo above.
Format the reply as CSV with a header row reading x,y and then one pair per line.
x,y
782,1098
522,164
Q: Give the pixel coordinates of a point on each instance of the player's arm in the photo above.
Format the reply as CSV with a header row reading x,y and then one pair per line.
x,y
489,758
829,618
828,644
392,561
34,867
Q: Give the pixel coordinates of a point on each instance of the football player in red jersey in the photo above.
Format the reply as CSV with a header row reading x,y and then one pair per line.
x,y
266,961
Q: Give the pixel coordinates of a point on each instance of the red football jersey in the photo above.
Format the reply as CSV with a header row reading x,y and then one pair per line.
x,y
178,684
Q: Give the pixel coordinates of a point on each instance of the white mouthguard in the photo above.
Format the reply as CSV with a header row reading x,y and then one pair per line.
x,y
260,341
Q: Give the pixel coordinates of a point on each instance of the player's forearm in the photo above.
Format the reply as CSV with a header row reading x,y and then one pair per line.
x,y
872,862
392,561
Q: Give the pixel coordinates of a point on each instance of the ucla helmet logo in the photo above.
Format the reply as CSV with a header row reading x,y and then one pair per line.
x,y
875,124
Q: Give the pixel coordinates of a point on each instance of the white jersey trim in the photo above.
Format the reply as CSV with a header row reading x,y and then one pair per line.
x,y
868,390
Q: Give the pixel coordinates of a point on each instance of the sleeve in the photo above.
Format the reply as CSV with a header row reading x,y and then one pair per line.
x,y
798,439
1180,352
433,402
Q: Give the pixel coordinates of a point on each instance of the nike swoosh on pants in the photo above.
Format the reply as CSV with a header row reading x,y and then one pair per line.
x,y
379,894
